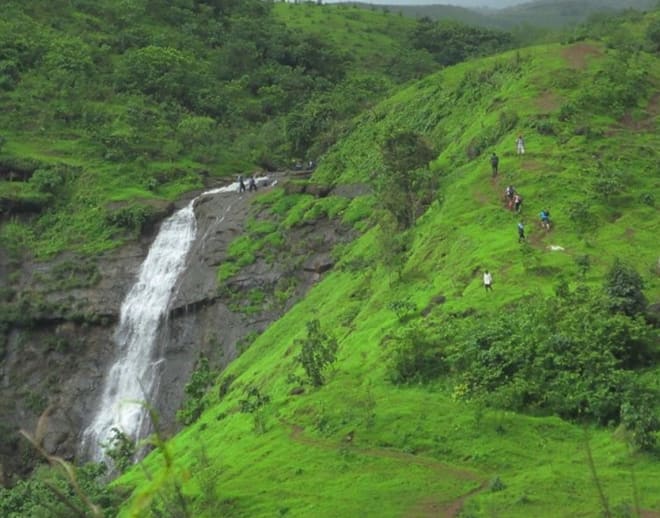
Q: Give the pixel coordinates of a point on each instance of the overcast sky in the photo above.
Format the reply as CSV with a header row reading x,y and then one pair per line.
x,y
462,3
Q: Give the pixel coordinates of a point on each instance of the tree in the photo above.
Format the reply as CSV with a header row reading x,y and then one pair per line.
x,y
406,185
157,71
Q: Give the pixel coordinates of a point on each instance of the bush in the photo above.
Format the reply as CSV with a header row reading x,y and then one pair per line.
x,y
582,218
133,218
624,286
415,355
254,404
200,381
641,422
318,351
607,183
404,309
120,448
568,356
47,180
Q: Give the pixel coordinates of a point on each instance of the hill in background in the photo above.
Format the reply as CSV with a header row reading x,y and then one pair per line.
x,y
541,13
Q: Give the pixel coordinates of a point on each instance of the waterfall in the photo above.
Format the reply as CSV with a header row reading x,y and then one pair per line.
x,y
133,378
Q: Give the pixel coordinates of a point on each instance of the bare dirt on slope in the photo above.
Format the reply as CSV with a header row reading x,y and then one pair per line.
x,y
577,55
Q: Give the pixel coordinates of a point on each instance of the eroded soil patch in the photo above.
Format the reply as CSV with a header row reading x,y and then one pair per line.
x,y
577,56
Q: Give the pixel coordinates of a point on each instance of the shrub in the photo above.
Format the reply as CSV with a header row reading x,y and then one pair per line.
x,y
318,351
200,381
647,198
624,286
583,264
133,218
568,356
404,309
254,404
581,216
608,183
120,448
47,180
415,355
639,419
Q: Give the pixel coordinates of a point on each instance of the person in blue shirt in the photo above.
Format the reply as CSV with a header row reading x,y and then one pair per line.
x,y
545,219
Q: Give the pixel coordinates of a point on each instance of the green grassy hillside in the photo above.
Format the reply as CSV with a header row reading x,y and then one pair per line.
x,y
399,386
375,439
119,107
113,109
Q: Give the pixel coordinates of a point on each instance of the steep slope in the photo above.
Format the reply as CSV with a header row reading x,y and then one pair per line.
x,y
362,445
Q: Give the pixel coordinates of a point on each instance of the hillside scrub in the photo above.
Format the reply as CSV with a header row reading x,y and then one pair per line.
x,y
429,365
569,355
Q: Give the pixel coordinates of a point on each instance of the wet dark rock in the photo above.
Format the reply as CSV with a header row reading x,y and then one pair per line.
x,y
61,362
305,187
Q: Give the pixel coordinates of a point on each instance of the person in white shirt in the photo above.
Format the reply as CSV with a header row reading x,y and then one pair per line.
x,y
488,281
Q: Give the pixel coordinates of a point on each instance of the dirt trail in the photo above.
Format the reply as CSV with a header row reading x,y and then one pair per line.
x,y
429,507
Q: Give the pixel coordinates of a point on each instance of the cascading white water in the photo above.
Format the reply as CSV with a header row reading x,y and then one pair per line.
x,y
134,375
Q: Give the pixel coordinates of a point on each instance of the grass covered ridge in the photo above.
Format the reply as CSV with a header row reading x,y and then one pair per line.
x,y
362,445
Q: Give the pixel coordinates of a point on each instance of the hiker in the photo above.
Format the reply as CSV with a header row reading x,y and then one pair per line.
x,y
252,185
241,183
517,203
521,232
509,193
494,162
545,219
488,281
520,145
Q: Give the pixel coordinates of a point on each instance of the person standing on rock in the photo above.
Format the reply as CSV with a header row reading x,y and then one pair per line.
x,y
241,183
252,184
494,163
488,281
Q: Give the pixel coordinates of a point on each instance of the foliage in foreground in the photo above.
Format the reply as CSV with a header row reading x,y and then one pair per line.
x,y
575,355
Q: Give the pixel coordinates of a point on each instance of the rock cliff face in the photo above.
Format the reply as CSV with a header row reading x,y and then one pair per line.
x,y
55,361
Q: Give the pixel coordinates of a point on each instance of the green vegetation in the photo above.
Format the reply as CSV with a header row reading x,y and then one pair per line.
x,y
430,394
559,359
112,108
200,381
317,352
527,17
48,493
